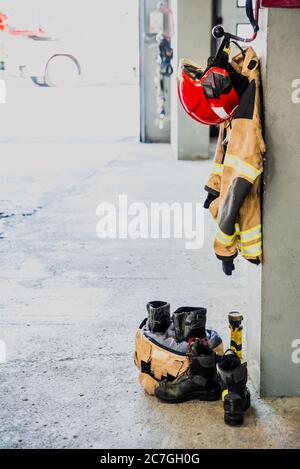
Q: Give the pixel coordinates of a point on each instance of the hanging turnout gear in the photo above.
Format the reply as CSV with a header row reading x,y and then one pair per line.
x,y
163,70
235,394
200,381
165,56
229,94
164,67
234,184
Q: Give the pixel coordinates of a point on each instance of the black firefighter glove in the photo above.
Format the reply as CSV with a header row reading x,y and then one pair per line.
x,y
228,266
210,198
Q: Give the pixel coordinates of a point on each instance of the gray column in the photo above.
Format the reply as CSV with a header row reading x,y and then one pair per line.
x,y
193,24
254,313
274,317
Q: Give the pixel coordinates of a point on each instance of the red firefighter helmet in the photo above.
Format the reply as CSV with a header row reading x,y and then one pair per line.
x,y
207,96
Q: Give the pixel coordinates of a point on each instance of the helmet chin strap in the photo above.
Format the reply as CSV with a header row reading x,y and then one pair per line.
x,y
222,56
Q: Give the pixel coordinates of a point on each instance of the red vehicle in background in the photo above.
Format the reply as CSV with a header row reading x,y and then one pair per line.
x,y
68,48
3,19
5,26
27,50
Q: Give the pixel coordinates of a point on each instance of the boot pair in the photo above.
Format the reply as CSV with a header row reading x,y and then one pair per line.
x,y
188,321
207,380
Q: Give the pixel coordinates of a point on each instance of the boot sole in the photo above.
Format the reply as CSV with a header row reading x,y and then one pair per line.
x,y
213,395
235,419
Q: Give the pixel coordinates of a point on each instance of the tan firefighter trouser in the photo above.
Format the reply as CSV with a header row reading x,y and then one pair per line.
x,y
155,363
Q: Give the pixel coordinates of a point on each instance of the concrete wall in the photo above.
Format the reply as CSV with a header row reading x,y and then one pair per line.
x,y
274,322
281,270
193,24
254,332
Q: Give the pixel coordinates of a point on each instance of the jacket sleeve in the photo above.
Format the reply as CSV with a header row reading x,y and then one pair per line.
x,y
213,186
243,164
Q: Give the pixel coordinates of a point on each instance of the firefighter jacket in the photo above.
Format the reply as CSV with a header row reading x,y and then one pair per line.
x,y
234,183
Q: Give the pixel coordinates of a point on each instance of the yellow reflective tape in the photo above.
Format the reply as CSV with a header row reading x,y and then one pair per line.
x,y
240,172
252,256
252,251
245,164
224,393
218,169
226,235
243,249
247,176
254,245
250,235
226,240
248,240
224,243
241,167
255,228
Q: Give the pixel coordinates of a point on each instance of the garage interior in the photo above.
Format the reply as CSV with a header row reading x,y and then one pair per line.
x,y
70,302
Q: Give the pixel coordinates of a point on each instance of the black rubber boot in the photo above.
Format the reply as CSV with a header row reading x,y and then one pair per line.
x,y
159,317
199,382
189,322
235,394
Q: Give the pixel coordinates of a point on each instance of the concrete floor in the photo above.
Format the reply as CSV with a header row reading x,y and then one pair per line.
x,y
70,305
